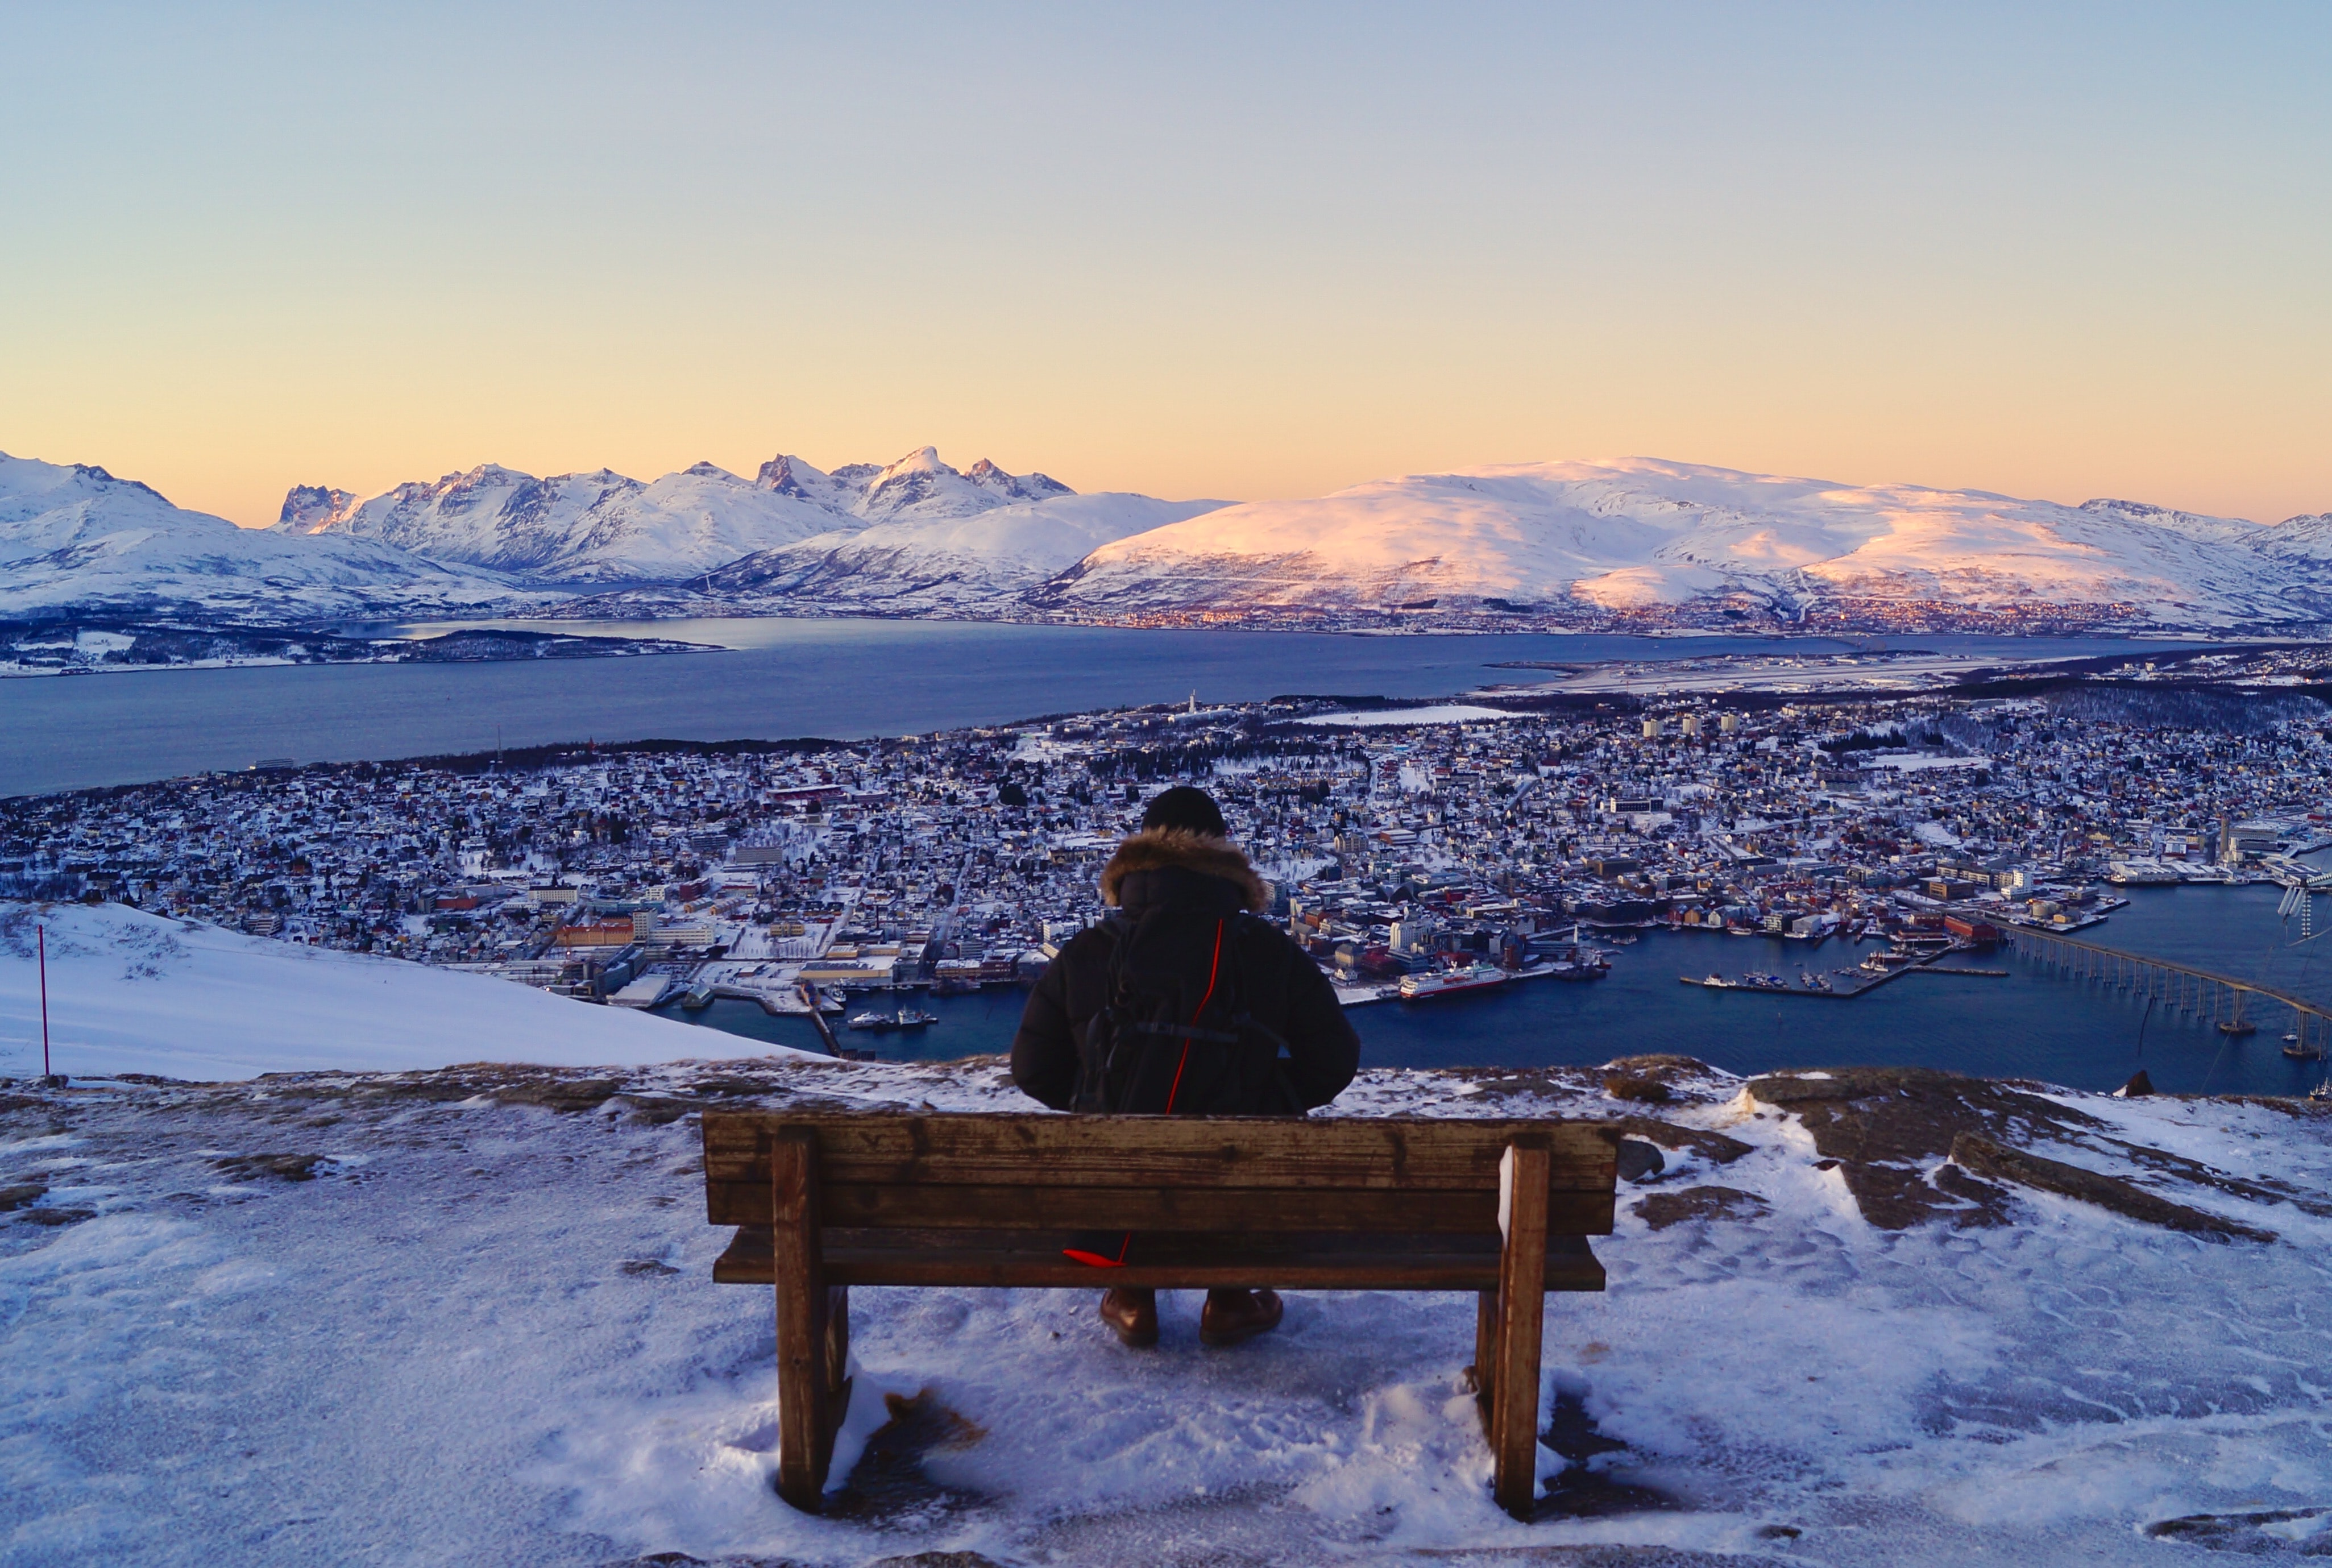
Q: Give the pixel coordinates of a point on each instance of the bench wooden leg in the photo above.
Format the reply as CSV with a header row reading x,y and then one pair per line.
x,y
1485,1354
837,1370
1521,1319
813,1328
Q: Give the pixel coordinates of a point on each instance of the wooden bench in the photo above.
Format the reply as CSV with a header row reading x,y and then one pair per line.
x,y
826,1199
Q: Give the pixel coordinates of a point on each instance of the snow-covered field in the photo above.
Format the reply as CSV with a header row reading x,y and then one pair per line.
x,y
1437,713
131,992
483,1331
465,1315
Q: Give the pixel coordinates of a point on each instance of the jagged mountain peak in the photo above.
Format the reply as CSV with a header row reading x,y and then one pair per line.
x,y
91,471
1031,486
313,507
921,485
921,460
789,475
27,482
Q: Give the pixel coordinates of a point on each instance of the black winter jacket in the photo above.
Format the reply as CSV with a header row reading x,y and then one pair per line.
x,y
1196,881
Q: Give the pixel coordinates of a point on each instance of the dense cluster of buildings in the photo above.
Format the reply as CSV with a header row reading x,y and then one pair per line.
x,y
1397,846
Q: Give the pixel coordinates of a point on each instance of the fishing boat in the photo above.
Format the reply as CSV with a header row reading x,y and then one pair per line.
x,y
902,1018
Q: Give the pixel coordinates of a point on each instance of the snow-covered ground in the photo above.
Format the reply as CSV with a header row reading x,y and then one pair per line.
x,y
1923,761
483,1331
1437,714
131,992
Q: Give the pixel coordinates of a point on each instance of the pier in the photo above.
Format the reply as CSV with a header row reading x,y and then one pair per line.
x,y
1845,985
2198,992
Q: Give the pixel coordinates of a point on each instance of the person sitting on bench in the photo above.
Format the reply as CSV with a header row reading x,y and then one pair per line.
x,y
1183,1003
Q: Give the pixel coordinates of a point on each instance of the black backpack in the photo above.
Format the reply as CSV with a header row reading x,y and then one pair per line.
x,y
1168,1044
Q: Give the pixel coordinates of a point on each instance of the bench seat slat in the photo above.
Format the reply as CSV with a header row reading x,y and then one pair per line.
x,y
1387,1154
994,1208
1190,1261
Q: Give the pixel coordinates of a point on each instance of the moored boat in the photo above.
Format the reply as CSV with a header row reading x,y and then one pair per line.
x,y
1443,982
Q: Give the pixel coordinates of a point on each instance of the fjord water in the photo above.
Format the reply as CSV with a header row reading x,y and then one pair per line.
x,y
2034,1024
774,679
853,678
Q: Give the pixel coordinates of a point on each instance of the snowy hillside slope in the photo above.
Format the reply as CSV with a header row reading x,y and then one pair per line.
x,y
131,992
1637,533
487,1332
602,528
74,537
2305,539
963,563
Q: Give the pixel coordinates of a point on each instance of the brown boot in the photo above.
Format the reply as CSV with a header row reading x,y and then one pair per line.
x,y
1133,1314
1232,1315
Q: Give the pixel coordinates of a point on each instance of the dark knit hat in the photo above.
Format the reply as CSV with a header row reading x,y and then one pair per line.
x,y
1182,807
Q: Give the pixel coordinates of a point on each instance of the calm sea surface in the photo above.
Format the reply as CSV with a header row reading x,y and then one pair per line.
x,y
2032,1024
776,679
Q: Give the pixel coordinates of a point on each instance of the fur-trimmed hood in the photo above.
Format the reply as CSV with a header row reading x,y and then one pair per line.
x,y
1157,848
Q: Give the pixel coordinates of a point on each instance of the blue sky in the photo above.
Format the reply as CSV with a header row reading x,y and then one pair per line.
x,y
2058,251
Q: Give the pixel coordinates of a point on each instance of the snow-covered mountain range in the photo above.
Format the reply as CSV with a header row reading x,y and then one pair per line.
x,y
1628,542
75,538
605,529
1639,536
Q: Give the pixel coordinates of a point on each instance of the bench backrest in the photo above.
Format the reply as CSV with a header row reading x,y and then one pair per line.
x,y
882,1169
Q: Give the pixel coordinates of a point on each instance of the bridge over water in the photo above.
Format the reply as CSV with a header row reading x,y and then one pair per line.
x,y
2221,998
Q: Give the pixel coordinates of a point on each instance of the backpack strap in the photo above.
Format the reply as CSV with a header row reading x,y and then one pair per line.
x,y
1189,1032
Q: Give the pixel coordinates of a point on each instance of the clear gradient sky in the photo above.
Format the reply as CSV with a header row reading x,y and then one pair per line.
x,y
1245,251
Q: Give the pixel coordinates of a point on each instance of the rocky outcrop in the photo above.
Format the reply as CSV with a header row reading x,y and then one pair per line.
x,y
1913,1146
1714,1147
290,1167
1888,1128
1975,1152
1662,1209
